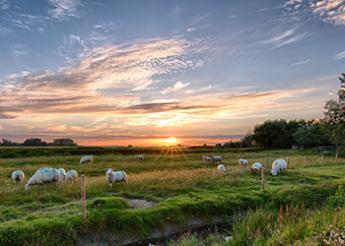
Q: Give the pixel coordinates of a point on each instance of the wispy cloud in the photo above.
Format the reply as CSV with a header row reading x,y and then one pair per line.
x,y
331,11
173,89
64,9
287,37
340,55
72,47
302,62
131,68
4,4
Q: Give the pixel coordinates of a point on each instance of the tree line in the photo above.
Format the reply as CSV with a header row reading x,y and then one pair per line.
x,y
39,142
279,134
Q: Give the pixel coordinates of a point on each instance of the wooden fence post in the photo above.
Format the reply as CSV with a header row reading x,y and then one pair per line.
x,y
288,161
262,179
281,215
83,196
336,157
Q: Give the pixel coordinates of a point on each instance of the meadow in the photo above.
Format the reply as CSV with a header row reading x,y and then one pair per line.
x,y
182,189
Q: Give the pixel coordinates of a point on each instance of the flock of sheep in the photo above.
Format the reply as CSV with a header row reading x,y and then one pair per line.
x,y
59,175
278,165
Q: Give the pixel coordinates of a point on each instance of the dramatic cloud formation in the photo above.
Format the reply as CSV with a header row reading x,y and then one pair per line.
x,y
130,67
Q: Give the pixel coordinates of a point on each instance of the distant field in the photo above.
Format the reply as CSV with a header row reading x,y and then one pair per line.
x,y
179,184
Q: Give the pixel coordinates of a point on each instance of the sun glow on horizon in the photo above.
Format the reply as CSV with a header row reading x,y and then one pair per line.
x,y
170,141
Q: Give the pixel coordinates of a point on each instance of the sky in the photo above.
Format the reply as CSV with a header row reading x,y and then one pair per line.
x,y
142,72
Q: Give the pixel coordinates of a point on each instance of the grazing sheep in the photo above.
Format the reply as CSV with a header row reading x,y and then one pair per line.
x,y
278,166
43,175
116,176
18,176
216,158
71,175
207,159
62,172
86,159
243,162
221,168
256,167
139,157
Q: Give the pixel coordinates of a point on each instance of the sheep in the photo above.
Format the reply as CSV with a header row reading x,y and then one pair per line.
x,y
221,168
256,167
207,159
278,166
43,175
71,175
85,159
62,172
18,176
243,162
139,157
115,176
216,158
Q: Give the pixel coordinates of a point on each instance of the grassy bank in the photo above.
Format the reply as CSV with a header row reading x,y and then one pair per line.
x,y
181,186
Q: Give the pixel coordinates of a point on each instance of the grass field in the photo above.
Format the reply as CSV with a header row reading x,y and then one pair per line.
x,y
182,187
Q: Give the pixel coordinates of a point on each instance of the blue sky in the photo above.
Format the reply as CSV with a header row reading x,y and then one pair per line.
x,y
112,72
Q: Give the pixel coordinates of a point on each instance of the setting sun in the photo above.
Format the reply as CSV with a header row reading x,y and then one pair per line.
x,y
171,141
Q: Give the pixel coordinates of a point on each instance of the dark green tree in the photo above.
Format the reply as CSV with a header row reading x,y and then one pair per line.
x,y
335,117
311,135
63,142
276,134
34,142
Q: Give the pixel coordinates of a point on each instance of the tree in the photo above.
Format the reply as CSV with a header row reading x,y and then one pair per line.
x,y
335,117
276,133
34,142
6,142
63,142
311,135
247,141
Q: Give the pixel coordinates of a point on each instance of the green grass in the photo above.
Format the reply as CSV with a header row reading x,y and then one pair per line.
x,y
180,184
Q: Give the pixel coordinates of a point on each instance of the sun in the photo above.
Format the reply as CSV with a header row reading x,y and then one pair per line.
x,y
171,141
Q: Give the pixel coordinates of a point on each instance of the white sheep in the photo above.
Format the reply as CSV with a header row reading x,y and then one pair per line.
x,y
256,167
86,159
278,166
116,176
71,175
43,175
243,162
62,172
221,168
139,157
216,158
207,159
18,176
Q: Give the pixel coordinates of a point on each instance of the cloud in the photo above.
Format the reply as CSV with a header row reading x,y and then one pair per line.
x,y
173,89
27,21
84,86
340,55
330,11
4,4
302,62
72,47
63,9
287,37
